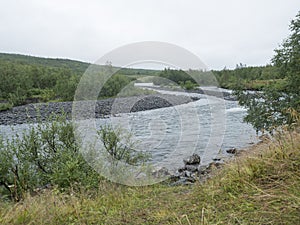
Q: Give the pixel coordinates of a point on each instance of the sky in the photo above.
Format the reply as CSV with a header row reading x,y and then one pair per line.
x,y
220,33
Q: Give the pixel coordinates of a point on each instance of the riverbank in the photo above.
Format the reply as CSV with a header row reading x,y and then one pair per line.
x,y
193,171
261,186
41,111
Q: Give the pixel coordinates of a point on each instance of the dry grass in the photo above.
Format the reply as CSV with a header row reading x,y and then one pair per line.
x,y
259,187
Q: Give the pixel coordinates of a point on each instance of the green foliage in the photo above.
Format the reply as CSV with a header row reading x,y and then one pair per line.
x,y
176,76
48,154
114,85
138,72
75,66
131,90
5,106
248,78
66,85
44,95
188,85
287,57
259,187
21,82
187,79
271,108
45,155
31,79
119,145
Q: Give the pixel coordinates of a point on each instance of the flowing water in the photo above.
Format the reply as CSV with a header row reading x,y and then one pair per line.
x,y
208,127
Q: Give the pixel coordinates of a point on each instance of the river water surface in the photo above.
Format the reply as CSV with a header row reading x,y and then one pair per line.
x,y
207,126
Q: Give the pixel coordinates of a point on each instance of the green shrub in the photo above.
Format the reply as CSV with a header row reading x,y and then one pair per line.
x,y
45,155
188,85
119,145
48,155
5,106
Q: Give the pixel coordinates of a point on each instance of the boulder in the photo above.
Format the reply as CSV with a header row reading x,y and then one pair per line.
x,y
192,160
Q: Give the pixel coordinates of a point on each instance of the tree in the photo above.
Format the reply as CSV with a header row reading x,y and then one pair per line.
x,y
274,107
287,57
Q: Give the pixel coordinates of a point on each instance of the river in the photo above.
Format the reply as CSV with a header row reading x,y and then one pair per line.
x,y
208,126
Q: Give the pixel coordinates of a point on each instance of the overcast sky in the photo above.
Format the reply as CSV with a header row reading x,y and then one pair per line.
x,y
221,33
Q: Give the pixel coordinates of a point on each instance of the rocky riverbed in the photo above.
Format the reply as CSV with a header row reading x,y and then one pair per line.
x,y
41,111
192,169
190,172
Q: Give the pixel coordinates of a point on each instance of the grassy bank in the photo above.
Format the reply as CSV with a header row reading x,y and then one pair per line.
x,y
261,186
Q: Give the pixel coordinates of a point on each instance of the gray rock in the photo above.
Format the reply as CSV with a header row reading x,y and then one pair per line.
x,y
214,165
192,168
202,169
184,181
231,151
194,159
182,169
217,159
28,113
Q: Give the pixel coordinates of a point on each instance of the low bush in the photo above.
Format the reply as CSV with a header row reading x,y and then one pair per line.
x,y
47,154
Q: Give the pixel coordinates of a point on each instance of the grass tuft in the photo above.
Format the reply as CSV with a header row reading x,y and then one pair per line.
x,y
261,186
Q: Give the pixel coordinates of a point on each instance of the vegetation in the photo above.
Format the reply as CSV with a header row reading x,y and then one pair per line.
x,y
186,79
75,66
5,106
48,155
26,79
278,105
250,78
46,175
119,145
260,187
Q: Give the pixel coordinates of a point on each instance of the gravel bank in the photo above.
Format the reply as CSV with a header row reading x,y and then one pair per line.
x,y
40,111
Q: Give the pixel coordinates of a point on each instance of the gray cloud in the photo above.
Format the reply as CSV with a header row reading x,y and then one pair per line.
x,y
220,33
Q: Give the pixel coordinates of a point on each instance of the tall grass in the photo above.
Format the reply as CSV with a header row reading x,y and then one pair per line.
x,y
262,186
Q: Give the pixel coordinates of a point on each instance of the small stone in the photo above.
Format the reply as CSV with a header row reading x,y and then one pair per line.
x,y
214,165
187,173
217,159
194,159
202,169
180,170
192,168
231,151
161,172
174,178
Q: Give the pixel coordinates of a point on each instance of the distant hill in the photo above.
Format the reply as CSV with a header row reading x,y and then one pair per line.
x,y
27,79
74,65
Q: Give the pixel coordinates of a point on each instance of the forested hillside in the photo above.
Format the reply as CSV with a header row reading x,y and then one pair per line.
x,y
26,79
250,78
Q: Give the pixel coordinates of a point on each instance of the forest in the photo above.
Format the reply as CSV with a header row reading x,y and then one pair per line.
x,y
27,79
